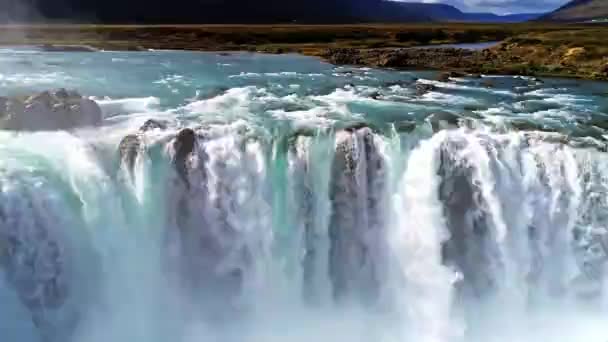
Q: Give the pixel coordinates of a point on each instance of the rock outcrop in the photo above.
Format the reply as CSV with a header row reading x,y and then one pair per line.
x,y
49,111
423,88
132,145
357,190
184,144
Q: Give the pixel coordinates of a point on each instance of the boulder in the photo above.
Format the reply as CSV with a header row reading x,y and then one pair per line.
x,y
487,83
49,111
423,88
445,76
132,145
153,124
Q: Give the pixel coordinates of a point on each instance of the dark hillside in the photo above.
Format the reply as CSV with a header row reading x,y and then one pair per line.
x,y
235,11
579,10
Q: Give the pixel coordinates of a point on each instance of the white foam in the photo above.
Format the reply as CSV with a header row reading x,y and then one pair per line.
x,y
287,74
235,102
458,86
113,107
448,99
34,79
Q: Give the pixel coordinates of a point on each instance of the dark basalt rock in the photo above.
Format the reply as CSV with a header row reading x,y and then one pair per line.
x,y
67,48
405,126
488,83
153,124
445,76
183,145
469,246
48,111
210,93
132,145
356,191
129,148
355,127
423,88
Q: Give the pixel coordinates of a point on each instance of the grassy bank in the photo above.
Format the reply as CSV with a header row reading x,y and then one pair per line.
x,y
579,50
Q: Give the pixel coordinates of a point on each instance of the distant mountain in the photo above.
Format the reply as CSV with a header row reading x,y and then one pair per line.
x,y
443,12
494,18
207,11
236,12
579,10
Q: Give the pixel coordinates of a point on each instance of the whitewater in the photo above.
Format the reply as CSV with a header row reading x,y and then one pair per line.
x,y
241,197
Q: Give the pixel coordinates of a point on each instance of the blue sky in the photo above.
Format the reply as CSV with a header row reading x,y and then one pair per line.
x,y
503,6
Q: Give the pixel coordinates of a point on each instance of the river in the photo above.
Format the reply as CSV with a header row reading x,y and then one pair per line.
x,y
280,198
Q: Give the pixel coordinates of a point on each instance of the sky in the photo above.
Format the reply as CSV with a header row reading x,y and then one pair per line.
x,y
503,6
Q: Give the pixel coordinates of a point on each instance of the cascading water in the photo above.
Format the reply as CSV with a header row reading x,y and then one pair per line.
x,y
257,215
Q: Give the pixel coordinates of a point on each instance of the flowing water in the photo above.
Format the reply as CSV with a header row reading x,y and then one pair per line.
x,y
279,198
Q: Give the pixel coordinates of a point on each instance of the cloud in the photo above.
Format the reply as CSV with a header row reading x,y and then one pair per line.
x,y
503,6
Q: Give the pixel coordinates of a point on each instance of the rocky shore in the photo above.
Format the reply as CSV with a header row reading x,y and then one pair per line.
x,y
508,59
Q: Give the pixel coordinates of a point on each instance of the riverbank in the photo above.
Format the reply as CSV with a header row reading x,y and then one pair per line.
x,y
526,49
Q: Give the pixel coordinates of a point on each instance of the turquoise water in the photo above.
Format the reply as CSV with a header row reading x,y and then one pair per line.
x,y
316,202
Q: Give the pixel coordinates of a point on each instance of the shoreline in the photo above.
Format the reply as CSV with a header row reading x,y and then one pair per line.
x,y
570,51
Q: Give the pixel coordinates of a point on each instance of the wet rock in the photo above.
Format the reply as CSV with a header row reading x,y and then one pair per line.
x,y
210,92
49,111
152,124
184,142
423,88
445,76
403,84
357,190
488,83
132,145
470,246
375,95
67,48
527,125
183,145
443,120
129,148
405,126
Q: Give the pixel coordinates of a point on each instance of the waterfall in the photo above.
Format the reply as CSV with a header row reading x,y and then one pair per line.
x,y
463,234
419,231
357,223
